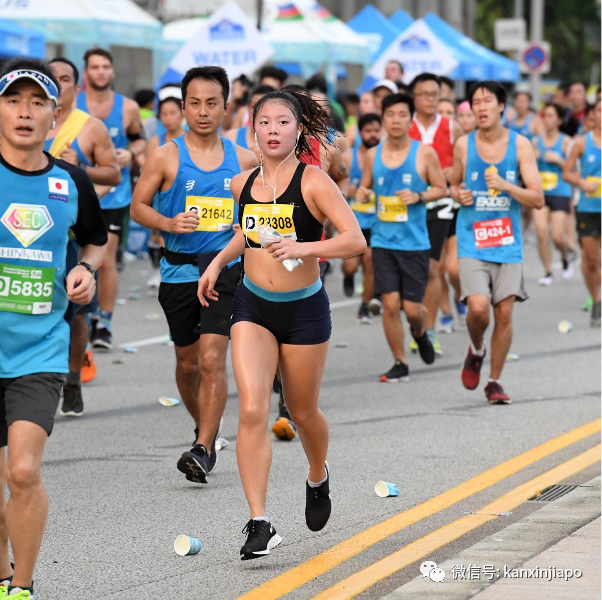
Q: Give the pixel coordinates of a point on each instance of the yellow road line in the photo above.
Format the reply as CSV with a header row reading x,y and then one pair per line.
x,y
310,569
421,548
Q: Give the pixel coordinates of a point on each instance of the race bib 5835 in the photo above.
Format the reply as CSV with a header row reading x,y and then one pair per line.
x,y
26,290
215,214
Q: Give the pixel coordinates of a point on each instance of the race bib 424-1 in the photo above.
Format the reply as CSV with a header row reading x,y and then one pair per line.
x,y
493,233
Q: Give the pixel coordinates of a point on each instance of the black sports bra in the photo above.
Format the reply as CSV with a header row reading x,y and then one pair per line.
x,y
289,215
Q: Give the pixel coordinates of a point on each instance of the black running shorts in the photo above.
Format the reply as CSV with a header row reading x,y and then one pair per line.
x,y
187,319
437,229
32,398
303,322
115,220
558,203
588,224
406,272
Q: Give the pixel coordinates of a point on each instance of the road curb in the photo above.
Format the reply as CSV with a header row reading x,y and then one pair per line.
x,y
511,547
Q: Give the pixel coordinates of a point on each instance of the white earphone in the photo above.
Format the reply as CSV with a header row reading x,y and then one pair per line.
x,y
53,124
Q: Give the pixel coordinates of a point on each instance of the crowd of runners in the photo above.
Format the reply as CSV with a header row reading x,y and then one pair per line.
x,y
249,191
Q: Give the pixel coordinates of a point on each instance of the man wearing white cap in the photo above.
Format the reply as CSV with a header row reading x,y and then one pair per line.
x,y
42,199
381,89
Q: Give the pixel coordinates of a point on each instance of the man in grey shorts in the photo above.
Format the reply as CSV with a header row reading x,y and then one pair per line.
x,y
485,177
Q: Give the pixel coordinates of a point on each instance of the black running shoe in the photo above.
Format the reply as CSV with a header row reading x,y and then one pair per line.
x,y
277,385
375,306
195,464
348,285
73,403
398,372
318,504
261,538
102,338
214,457
425,348
363,315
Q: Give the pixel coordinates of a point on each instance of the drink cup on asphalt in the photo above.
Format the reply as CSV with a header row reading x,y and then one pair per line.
x,y
186,546
385,489
565,326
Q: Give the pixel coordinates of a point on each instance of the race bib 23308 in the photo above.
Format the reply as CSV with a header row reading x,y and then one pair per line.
x,y
278,216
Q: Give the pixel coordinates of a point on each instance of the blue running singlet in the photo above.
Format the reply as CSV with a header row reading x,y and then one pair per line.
x,y
490,229
365,213
591,171
398,226
207,192
551,173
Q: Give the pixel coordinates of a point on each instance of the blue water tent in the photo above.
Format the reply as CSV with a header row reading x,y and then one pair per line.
x,y
371,24
20,41
401,20
475,61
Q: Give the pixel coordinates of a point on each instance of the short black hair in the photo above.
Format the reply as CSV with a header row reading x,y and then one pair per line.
x,y
317,82
367,119
450,83
392,99
398,63
519,92
351,98
491,86
30,64
244,80
215,74
271,71
66,61
144,96
262,89
425,77
560,111
97,52
578,82
173,99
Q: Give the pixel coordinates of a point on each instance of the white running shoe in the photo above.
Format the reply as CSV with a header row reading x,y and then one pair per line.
x,y
568,272
546,280
155,280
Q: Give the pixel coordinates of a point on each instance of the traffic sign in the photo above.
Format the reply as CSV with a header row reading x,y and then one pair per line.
x,y
535,57
510,34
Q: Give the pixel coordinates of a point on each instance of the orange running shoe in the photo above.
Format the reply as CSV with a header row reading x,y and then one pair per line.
x,y
88,367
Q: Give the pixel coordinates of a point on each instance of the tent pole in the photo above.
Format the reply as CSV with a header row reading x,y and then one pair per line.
x,y
471,16
259,13
537,17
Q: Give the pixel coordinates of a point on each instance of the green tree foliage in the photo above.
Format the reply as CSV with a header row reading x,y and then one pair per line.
x,y
572,27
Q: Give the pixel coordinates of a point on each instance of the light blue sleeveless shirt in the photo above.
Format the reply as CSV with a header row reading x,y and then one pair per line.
x,y
590,167
499,238
121,195
409,232
241,137
551,173
191,186
525,128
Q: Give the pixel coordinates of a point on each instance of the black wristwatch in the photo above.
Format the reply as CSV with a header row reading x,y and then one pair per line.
x,y
87,266
421,197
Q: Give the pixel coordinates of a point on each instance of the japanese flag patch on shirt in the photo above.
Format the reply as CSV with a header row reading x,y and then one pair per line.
x,y
58,189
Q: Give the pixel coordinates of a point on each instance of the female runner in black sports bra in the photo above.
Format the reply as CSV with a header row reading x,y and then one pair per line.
x,y
282,318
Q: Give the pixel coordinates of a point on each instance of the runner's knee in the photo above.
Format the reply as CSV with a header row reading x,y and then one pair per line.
x,y
22,474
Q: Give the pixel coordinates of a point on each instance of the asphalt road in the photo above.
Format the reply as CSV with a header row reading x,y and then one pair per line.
x,y
117,501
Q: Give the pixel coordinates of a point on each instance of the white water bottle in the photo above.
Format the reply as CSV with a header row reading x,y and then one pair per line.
x,y
268,235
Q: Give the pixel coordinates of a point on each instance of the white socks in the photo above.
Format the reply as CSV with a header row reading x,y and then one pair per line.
x,y
476,352
266,519
315,485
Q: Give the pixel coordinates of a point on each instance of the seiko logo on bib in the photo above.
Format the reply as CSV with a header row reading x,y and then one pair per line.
x,y
190,184
489,203
27,222
407,178
227,183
